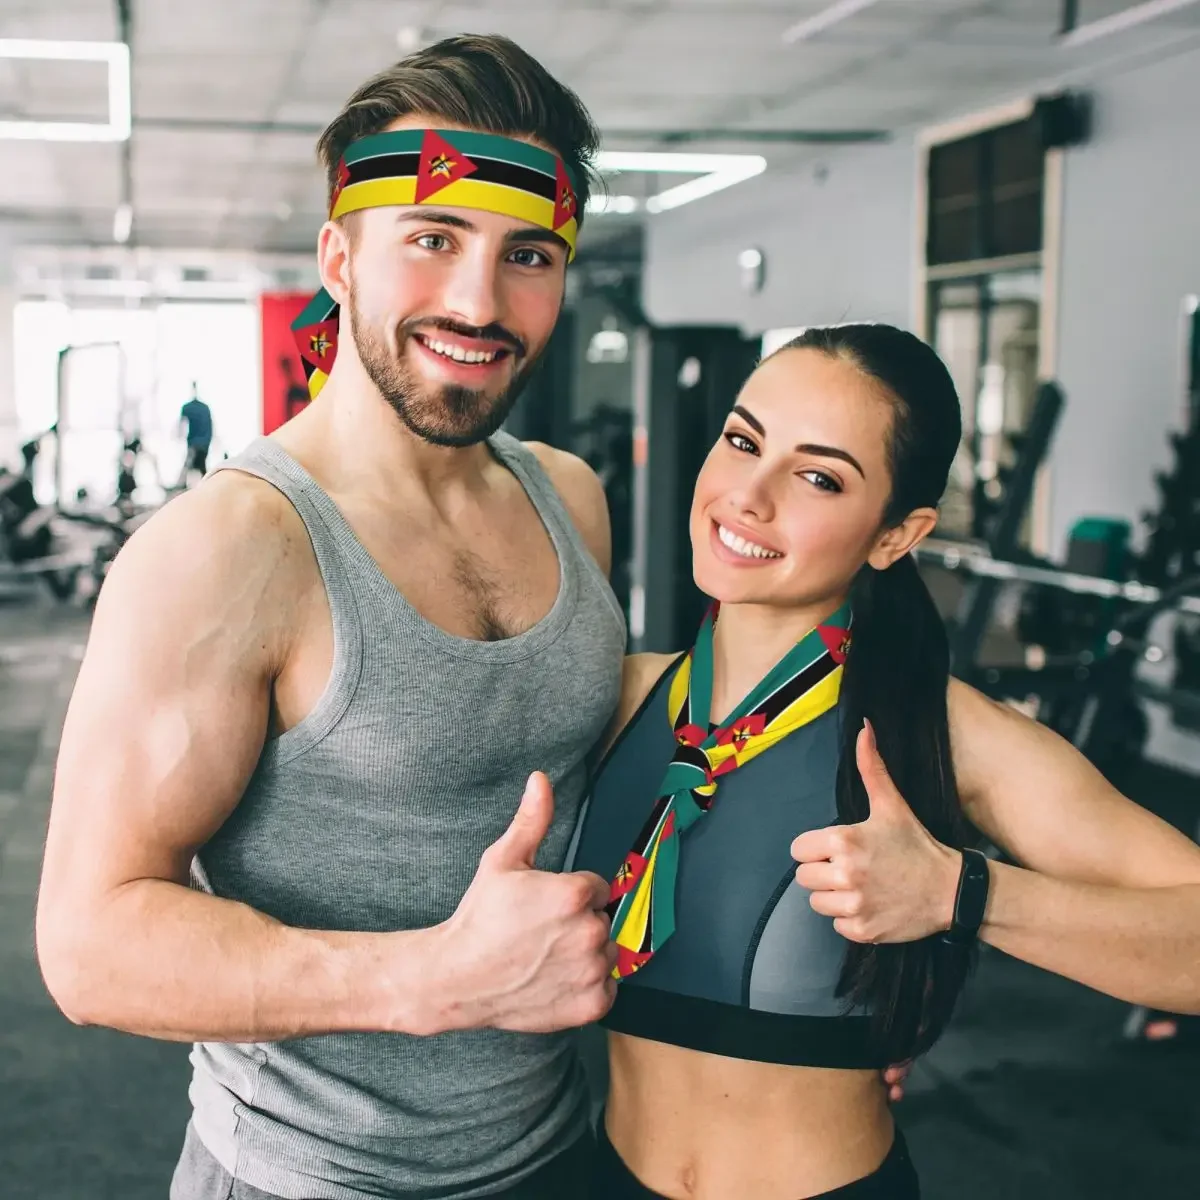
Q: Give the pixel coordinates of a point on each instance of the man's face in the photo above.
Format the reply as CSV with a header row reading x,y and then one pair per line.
x,y
449,310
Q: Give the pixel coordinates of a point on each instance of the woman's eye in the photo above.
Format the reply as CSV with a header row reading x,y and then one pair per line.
x,y
739,441
440,240
826,483
528,257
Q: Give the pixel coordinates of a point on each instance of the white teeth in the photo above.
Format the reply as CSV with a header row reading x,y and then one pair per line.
x,y
739,545
458,354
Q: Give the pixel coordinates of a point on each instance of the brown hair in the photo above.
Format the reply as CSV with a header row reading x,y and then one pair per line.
x,y
483,82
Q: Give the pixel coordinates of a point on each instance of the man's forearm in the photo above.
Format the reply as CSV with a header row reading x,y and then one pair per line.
x,y
163,961
1138,944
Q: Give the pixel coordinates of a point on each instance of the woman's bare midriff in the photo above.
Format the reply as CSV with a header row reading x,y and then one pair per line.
x,y
696,1126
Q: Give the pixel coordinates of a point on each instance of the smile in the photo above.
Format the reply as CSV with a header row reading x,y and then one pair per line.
x,y
457,353
740,545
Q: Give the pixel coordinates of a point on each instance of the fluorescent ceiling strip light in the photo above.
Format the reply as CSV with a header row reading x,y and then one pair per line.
x,y
705,185
1119,22
613,204
716,172
836,13
120,103
665,162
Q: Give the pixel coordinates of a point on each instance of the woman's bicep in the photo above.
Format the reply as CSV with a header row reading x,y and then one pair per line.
x,y
1032,793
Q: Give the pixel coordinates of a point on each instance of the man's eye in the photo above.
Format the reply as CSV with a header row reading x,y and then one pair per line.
x,y
440,240
528,257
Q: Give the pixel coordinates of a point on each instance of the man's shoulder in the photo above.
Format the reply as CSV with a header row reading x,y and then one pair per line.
x,y
583,495
232,527
563,467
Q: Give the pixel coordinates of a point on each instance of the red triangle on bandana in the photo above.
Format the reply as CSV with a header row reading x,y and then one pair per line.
x,y
837,642
441,165
318,344
566,205
629,961
343,178
626,881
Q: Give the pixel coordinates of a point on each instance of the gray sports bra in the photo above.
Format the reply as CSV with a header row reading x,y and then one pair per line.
x,y
751,971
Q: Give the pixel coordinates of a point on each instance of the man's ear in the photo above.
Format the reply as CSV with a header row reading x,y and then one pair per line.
x,y
333,260
895,543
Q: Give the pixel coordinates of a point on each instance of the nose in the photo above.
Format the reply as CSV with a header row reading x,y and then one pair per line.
x,y
472,290
752,497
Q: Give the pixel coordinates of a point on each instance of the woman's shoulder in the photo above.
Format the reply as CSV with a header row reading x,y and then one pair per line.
x,y
639,674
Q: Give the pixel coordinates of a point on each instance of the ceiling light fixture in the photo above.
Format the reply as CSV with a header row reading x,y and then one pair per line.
x,y
716,172
818,23
409,38
120,105
1120,21
122,223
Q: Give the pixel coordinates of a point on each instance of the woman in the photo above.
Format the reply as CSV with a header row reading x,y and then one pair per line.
x,y
757,998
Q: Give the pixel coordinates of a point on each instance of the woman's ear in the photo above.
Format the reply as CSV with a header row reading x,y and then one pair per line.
x,y
895,543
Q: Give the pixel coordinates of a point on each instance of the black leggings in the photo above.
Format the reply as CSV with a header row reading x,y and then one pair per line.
x,y
894,1180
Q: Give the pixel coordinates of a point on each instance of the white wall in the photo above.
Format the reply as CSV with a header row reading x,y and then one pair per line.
x,y
1131,252
837,236
8,370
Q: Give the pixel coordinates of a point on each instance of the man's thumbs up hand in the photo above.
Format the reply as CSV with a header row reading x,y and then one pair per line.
x,y
885,879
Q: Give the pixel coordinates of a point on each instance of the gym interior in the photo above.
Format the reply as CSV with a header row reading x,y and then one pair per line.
x,y
1016,181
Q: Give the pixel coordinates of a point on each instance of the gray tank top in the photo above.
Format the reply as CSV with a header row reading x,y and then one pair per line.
x,y
372,815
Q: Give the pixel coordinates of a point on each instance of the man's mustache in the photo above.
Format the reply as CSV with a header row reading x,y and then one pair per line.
x,y
489,333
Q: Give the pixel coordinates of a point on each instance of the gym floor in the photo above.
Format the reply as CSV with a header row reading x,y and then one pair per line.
x,y
1032,1094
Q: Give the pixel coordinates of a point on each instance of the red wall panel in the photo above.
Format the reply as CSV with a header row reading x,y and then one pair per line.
x,y
285,392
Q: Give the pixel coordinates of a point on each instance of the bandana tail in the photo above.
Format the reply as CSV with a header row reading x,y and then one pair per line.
x,y
315,332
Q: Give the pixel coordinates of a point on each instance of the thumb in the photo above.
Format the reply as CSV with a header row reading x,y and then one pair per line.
x,y
518,845
884,796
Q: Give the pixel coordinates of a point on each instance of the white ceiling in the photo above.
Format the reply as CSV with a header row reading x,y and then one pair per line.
x,y
228,94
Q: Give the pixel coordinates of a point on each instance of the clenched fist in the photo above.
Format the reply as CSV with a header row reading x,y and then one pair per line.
x,y
529,950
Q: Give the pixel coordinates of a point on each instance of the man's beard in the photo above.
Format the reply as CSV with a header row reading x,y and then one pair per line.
x,y
448,415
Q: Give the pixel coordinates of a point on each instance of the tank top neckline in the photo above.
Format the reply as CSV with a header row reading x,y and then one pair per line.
x,y
531,641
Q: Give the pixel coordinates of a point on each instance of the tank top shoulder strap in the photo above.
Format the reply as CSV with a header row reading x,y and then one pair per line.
x,y
326,527
526,466
338,553
546,499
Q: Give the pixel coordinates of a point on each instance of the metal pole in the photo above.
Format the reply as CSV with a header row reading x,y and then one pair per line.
x,y
639,569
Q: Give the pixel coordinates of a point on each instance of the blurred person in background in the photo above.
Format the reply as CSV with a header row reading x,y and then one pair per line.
x,y
196,424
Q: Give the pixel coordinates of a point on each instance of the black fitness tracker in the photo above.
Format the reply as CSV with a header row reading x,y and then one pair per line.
x,y
970,901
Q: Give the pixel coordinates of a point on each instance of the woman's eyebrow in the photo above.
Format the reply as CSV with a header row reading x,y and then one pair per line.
x,y
804,447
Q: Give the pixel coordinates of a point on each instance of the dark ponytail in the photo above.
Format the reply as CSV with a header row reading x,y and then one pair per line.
x,y
896,675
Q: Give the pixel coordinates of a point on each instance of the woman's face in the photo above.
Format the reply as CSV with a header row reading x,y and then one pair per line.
x,y
789,502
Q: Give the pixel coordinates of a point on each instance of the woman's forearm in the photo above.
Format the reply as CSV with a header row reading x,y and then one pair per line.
x,y
1141,945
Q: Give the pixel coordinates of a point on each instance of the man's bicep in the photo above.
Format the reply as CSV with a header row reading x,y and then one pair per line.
x,y
165,725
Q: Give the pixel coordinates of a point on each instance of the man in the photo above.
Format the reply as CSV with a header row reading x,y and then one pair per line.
x,y
197,417
285,824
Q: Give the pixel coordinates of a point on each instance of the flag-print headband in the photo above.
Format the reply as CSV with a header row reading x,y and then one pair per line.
x,y
450,168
